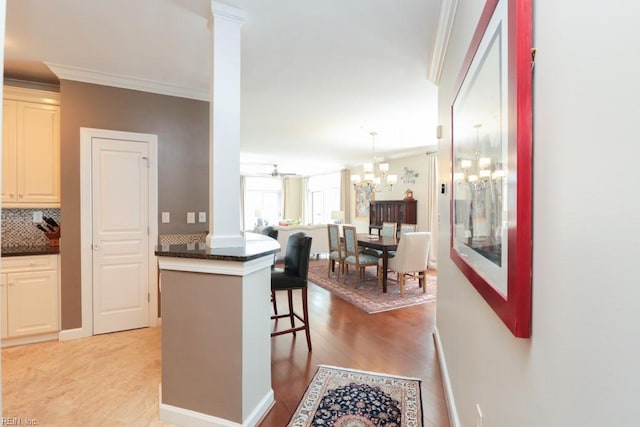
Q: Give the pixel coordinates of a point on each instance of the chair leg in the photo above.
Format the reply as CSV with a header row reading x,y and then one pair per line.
x,y
273,301
305,315
346,273
401,284
423,279
290,296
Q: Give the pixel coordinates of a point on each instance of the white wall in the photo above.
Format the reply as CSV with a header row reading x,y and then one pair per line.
x,y
581,367
416,163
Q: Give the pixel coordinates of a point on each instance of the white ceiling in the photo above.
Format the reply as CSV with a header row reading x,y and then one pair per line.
x,y
317,75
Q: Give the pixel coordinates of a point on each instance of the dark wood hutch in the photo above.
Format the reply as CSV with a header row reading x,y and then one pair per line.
x,y
398,211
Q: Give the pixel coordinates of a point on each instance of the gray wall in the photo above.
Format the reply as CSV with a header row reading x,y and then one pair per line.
x,y
580,367
182,126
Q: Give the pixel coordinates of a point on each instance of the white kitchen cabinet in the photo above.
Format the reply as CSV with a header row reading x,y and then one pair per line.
x,y
31,148
30,295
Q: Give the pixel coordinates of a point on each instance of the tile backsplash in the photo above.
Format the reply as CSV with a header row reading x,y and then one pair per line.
x,y
18,228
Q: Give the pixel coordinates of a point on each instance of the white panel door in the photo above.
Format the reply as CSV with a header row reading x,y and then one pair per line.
x,y
120,185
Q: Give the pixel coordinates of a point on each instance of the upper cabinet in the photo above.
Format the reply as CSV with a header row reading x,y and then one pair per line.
x,y
31,148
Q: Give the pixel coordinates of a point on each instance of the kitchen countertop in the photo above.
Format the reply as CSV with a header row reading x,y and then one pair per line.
x,y
256,246
8,251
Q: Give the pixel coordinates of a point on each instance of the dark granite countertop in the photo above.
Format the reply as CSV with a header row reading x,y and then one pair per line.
x,y
255,246
7,251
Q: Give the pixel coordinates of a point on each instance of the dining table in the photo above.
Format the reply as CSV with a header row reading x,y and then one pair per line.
x,y
382,243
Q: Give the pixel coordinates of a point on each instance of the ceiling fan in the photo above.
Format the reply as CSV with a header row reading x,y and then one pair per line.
x,y
276,173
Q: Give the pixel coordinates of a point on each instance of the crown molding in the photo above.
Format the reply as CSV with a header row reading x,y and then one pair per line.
x,y
228,12
445,25
64,72
28,94
47,87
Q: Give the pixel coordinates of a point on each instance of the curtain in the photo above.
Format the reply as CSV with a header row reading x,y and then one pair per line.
x,y
432,206
345,194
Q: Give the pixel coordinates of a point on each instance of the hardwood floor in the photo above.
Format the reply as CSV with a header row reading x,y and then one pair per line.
x,y
398,342
112,379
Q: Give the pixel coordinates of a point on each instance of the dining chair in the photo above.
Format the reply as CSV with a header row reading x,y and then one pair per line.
x,y
353,255
389,229
404,228
408,228
336,250
412,259
294,277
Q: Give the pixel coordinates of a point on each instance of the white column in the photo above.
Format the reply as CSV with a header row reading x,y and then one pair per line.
x,y
224,132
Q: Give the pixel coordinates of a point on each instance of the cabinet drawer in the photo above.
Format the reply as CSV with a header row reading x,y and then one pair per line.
x,y
29,263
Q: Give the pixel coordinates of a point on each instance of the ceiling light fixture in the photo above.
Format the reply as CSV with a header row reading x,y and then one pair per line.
x,y
374,173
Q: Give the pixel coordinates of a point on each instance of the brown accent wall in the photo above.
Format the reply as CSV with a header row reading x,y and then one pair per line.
x,y
202,348
182,126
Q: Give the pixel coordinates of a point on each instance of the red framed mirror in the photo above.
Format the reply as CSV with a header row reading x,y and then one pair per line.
x,y
491,203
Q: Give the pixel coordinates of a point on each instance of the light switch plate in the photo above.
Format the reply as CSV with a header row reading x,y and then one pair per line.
x,y
166,217
191,217
37,217
202,217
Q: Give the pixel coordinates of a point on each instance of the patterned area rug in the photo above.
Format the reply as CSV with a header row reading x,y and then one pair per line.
x,y
368,296
338,397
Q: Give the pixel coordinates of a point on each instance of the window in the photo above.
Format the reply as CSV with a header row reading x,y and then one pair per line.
x,y
262,202
323,197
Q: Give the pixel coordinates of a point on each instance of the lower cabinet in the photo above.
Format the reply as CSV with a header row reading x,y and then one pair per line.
x,y
30,295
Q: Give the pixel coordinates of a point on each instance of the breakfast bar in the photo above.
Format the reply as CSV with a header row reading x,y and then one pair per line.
x,y
216,348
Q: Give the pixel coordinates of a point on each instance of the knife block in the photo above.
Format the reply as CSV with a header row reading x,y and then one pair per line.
x,y
54,237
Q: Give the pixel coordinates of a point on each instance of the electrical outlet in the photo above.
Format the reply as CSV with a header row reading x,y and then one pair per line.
x,y
166,217
202,217
191,217
478,416
37,217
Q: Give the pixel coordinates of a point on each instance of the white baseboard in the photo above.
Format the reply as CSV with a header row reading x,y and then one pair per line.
x,y
180,416
72,334
446,383
187,417
10,342
261,410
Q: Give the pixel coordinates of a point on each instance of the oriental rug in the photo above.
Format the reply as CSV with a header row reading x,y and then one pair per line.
x,y
368,296
339,397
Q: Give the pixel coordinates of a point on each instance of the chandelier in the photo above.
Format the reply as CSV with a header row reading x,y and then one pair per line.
x,y
374,173
479,171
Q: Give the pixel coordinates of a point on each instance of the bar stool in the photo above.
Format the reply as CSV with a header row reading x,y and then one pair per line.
x,y
294,277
